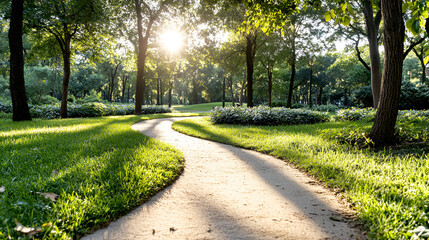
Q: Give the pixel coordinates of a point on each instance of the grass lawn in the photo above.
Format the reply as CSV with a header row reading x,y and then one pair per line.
x,y
199,107
389,189
95,169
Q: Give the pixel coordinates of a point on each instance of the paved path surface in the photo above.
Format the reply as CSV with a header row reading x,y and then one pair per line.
x,y
231,193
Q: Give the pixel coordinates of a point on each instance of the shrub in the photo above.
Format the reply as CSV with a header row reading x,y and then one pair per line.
x,y
354,114
265,116
412,96
92,110
5,106
47,99
92,97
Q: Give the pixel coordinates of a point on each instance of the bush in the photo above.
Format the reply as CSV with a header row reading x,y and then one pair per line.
x,y
412,96
47,99
265,116
5,106
92,97
354,114
92,110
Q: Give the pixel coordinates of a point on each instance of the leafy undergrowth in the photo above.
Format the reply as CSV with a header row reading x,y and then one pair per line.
x,y
265,116
388,188
63,178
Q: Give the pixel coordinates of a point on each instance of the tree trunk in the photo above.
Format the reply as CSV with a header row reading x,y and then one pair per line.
x,y
270,84
292,77
141,58
66,79
124,86
20,108
223,92
250,57
194,91
232,91
383,129
161,93
372,26
310,102
170,86
158,91
421,56
242,89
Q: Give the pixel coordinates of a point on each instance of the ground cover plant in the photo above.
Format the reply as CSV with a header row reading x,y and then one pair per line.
x,y
388,187
62,178
92,109
265,116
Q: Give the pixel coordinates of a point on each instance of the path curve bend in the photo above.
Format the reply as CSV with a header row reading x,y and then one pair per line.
x,y
231,193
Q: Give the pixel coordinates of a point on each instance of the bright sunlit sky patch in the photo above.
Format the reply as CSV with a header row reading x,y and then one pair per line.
x,y
172,40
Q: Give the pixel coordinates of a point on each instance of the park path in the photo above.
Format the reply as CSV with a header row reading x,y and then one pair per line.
x,y
231,193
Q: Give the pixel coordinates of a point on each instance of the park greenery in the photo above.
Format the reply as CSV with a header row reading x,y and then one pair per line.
x,y
354,69
63,178
388,187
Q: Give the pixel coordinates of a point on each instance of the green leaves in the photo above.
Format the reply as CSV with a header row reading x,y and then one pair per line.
x,y
413,25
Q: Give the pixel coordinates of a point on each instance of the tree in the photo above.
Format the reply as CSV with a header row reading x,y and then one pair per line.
x,y
67,21
382,131
21,111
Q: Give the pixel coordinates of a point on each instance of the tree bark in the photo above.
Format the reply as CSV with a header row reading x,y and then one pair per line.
x,y
292,76
20,108
141,57
242,89
124,86
232,91
270,84
250,58
383,129
420,55
372,26
66,79
223,92
310,102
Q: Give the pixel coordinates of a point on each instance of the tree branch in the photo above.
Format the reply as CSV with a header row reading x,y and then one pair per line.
x,y
413,44
360,57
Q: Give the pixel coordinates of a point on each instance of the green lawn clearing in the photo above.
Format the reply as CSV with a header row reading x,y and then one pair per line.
x,y
63,178
388,188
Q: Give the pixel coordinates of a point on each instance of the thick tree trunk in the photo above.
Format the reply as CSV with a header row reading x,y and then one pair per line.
x,y
66,79
383,129
20,108
270,84
250,58
372,26
141,57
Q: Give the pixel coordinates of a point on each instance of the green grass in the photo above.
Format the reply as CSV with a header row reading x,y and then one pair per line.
x,y
99,168
388,188
205,107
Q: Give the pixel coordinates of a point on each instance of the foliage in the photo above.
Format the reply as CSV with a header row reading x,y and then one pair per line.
x,y
265,116
98,168
388,188
92,110
413,96
354,114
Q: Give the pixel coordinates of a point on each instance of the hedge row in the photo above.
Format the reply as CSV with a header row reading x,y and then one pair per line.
x,y
265,116
354,114
85,110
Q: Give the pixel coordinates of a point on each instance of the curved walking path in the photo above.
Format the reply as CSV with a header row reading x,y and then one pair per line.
x,y
231,193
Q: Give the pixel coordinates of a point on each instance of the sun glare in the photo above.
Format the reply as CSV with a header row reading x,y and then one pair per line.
x,y
172,41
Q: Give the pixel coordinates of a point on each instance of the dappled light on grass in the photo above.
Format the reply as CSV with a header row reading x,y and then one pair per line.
x,y
99,168
387,187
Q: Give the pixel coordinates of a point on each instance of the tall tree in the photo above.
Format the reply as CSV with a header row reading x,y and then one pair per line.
x,y
382,131
67,21
21,111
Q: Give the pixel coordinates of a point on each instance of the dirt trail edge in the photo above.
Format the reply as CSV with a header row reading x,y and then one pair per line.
x,y
231,193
